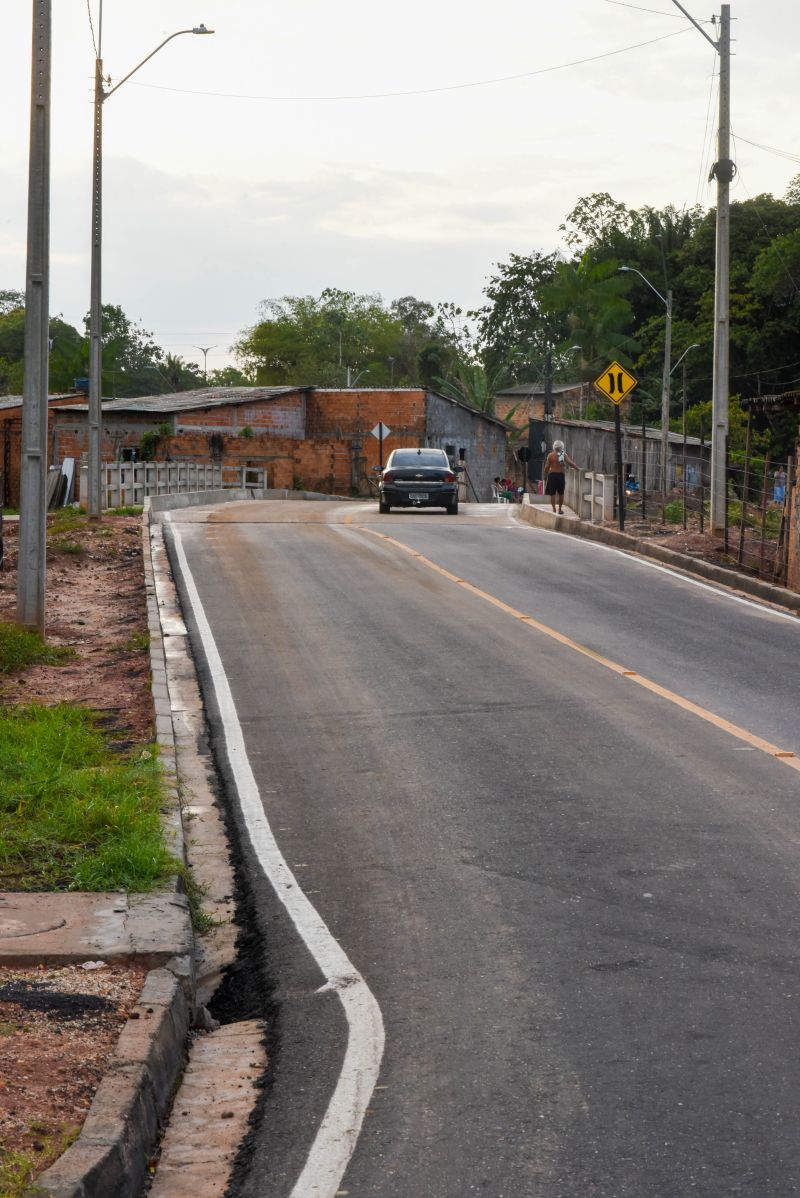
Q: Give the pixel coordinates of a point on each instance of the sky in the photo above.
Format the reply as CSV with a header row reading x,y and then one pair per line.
x,y
399,150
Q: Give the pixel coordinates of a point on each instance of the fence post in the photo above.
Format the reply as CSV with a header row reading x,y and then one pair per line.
x,y
763,515
740,555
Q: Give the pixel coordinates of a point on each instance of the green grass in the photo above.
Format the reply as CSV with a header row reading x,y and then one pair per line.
x,y
60,545
131,510
66,520
20,647
18,1169
73,814
138,640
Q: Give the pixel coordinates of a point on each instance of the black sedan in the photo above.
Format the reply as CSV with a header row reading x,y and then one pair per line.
x,y
418,478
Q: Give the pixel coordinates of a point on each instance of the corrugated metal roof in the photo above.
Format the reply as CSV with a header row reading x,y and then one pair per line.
x,y
15,401
528,390
634,430
203,397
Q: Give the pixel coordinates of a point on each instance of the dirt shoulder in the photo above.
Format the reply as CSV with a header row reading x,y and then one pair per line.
x,y
58,1027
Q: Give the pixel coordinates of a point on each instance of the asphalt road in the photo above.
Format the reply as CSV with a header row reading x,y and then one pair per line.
x,y
575,902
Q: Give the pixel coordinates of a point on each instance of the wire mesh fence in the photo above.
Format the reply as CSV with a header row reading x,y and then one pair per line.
x,y
758,511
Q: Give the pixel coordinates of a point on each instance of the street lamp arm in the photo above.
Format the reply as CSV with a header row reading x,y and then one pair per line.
x,y
683,355
632,270
197,29
697,25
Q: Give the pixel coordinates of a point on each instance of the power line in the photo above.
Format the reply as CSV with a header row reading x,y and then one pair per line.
x,y
757,211
771,150
657,11
707,138
91,28
422,91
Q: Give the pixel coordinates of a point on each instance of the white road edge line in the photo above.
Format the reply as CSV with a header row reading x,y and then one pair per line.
x,y
641,560
336,1138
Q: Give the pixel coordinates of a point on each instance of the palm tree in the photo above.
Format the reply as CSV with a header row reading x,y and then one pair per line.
x,y
591,295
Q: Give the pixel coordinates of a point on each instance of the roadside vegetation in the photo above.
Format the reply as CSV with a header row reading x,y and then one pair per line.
x,y
75,814
20,648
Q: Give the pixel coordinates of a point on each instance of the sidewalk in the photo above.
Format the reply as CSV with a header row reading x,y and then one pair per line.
x,y
543,517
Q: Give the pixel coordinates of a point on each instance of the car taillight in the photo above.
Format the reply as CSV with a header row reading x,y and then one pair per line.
x,y
388,476
449,477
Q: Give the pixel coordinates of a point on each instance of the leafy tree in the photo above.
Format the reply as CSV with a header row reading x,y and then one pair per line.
x,y
341,336
228,376
517,321
589,298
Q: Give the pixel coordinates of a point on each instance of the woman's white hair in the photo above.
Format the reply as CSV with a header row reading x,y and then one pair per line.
x,y
558,445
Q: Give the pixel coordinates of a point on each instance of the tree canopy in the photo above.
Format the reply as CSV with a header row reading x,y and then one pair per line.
x,y
343,338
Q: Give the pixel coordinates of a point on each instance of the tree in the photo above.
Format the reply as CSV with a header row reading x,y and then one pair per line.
x,y
516,321
132,361
589,298
340,336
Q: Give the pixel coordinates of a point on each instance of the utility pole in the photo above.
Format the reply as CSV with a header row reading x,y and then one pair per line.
x,y
723,171
94,502
31,568
665,389
548,383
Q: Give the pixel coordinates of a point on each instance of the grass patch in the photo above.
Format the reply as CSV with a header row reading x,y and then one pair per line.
x,y
131,509
18,1169
66,520
60,545
21,647
137,641
74,815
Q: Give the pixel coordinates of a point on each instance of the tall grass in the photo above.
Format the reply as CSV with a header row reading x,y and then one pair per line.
x,y
19,647
73,814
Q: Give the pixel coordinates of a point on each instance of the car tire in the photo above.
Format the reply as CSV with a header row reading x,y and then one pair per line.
x,y
383,507
452,508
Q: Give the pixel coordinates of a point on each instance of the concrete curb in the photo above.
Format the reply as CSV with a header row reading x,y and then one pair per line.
x,y
111,1154
120,1134
723,576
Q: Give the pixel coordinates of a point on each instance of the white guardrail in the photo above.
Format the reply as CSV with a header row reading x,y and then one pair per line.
x,y
128,484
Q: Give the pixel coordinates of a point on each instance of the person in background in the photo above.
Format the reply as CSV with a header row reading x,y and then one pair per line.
x,y
555,469
779,487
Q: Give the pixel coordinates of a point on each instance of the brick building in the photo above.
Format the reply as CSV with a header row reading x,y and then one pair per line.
x,y
303,437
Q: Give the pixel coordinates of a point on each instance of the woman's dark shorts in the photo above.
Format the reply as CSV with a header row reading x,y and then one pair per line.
x,y
555,484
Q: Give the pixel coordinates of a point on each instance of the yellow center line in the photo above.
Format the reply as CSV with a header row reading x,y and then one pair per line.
x,y
784,756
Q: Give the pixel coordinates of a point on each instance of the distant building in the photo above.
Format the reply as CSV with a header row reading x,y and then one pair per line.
x,y
301,437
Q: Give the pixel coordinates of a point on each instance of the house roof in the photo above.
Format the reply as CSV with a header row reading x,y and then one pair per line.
x,y
788,399
634,430
15,401
202,397
528,390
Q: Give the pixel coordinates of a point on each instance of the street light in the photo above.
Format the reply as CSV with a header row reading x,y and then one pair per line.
x,y
95,310
667,301
204,350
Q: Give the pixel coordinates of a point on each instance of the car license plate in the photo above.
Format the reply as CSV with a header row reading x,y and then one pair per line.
x,y
415,495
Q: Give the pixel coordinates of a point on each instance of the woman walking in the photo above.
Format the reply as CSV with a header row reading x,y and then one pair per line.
x,y
555,474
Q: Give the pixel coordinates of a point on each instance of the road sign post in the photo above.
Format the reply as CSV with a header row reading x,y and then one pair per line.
x,y
380,431
616,383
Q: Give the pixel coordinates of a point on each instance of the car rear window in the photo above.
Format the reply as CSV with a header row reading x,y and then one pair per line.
x,y
403,458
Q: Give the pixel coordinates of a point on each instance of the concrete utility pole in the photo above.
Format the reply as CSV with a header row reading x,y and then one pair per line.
x,y
723,171
31,567
665,389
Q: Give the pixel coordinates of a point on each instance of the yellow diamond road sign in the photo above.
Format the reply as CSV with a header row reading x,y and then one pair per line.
x,y
616,382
